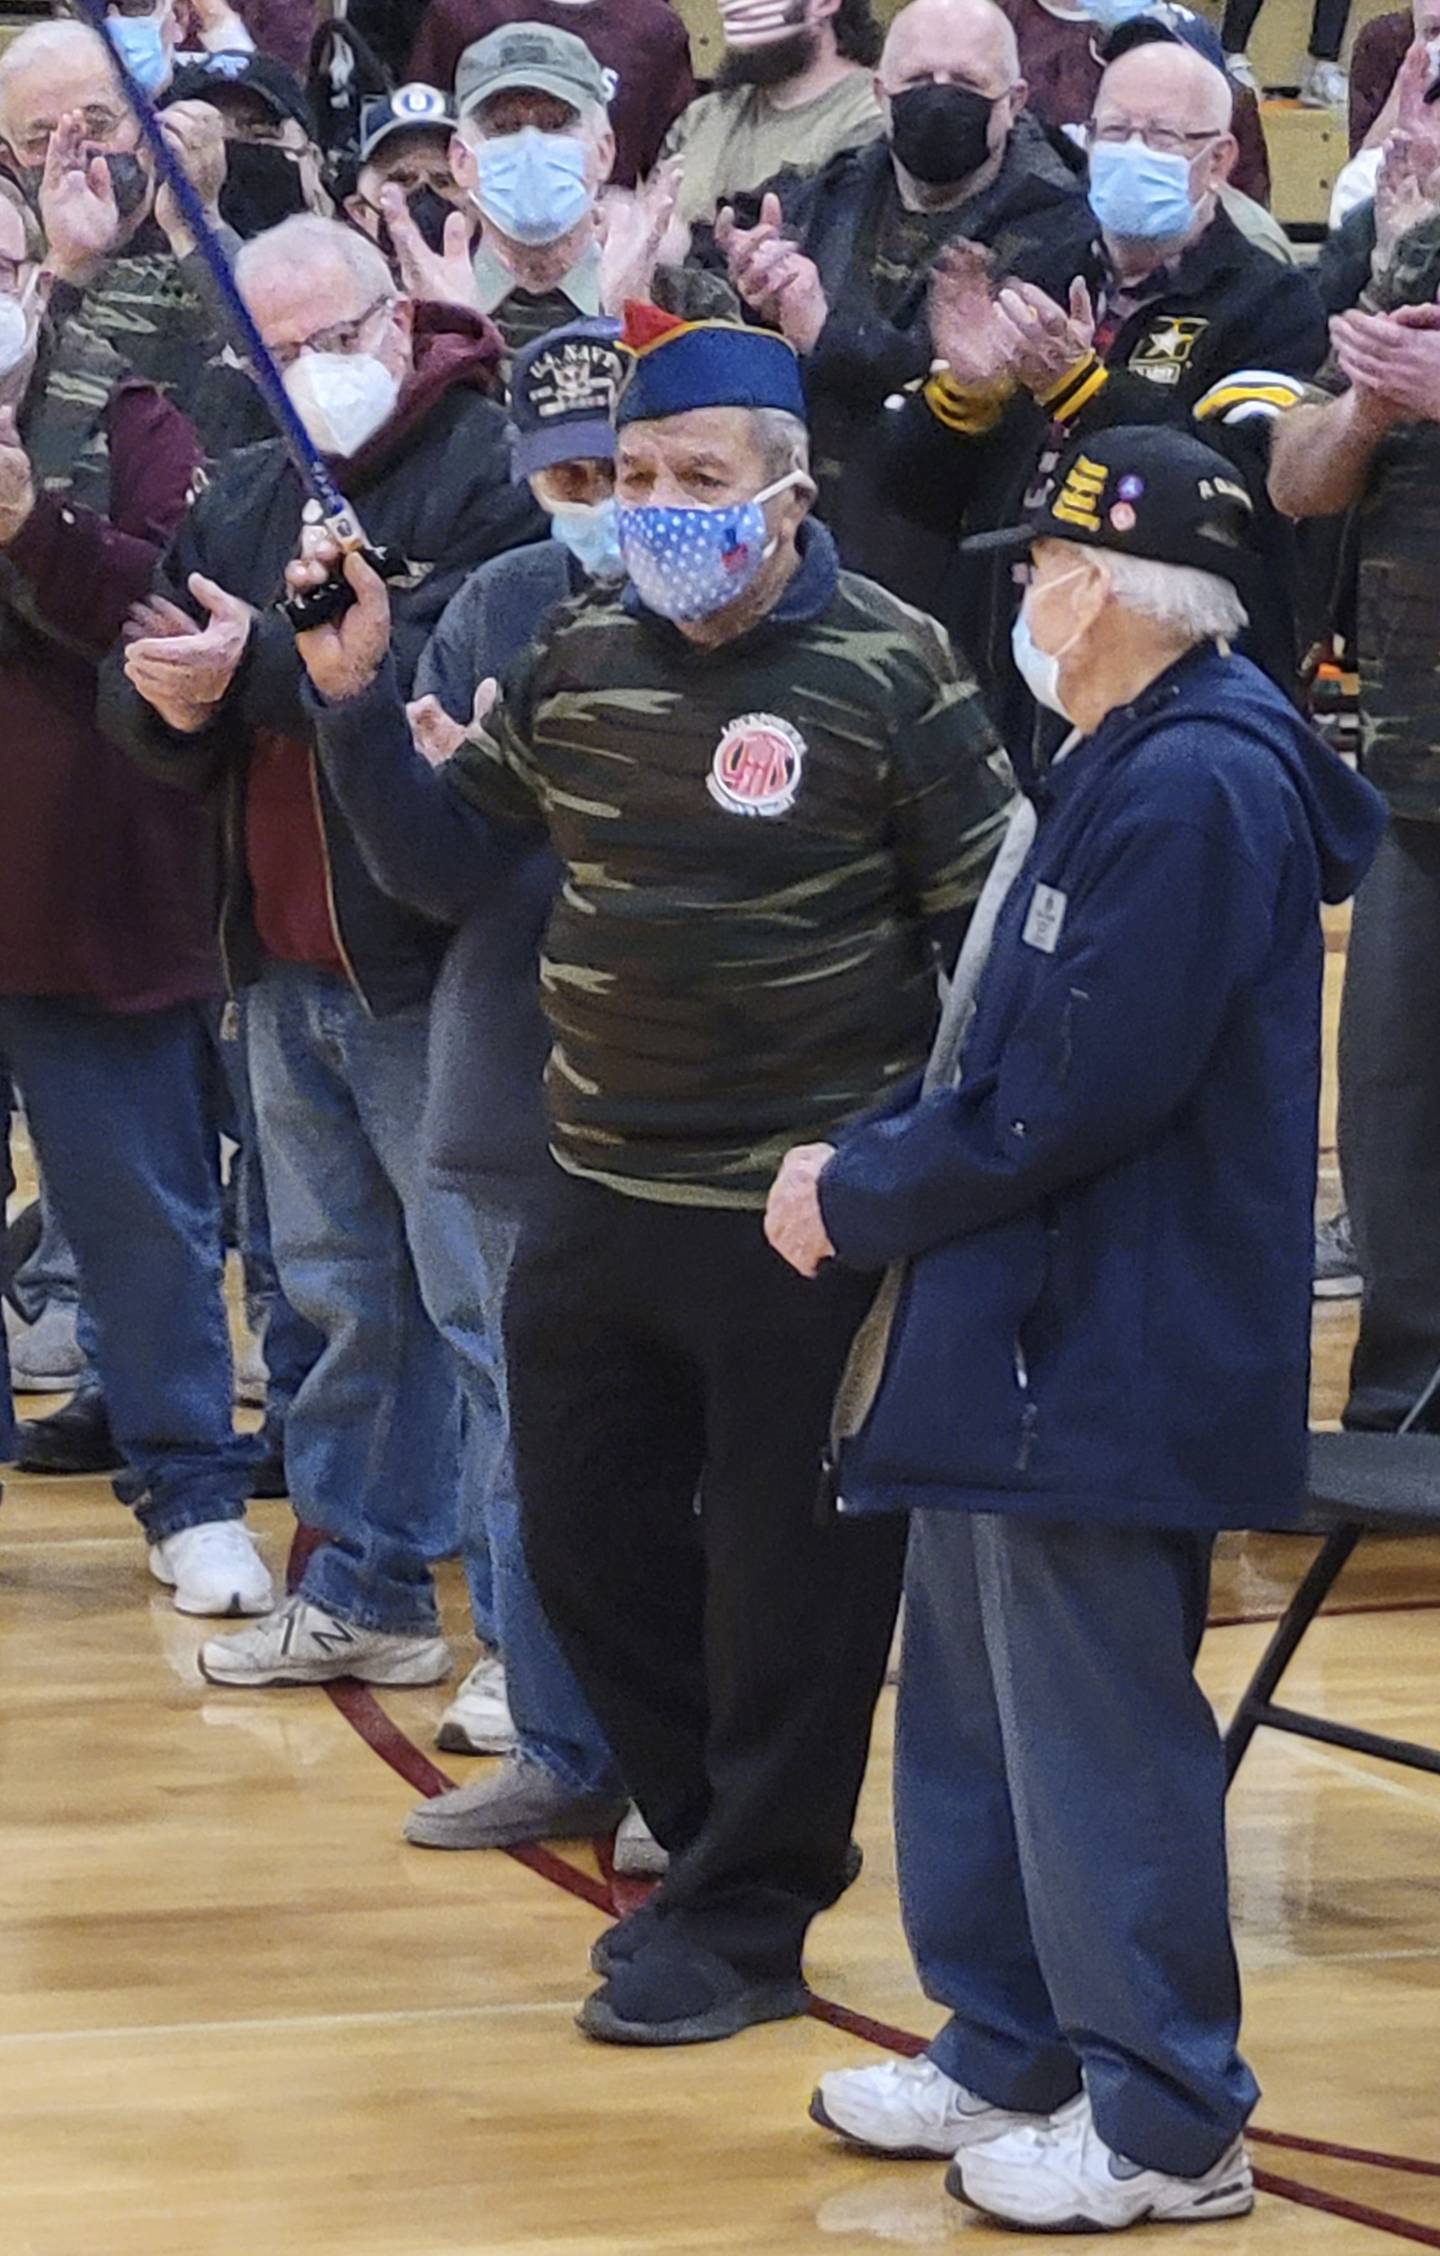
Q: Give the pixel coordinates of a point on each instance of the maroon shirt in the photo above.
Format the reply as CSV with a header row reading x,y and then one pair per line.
x,y
107,878
642,46
1059,65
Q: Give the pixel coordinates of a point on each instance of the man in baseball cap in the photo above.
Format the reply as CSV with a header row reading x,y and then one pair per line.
x,y
1100,1206
272,156
534,149
405,143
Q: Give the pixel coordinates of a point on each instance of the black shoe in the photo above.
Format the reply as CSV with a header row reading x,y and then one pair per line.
x,y
269,1478
76,1439
674,1993
638,1927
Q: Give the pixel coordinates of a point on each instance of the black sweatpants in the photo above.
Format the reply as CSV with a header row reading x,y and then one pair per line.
x,y
670,1388
1390,1120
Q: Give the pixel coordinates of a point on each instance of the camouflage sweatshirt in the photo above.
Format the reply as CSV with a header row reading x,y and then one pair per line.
x,y
761,846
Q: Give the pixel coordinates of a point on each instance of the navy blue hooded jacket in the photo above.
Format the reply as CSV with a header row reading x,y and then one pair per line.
x,y
1109,1221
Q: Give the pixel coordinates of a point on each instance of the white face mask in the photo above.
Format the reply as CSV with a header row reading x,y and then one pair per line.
x,y
15,339
1040,669
341,398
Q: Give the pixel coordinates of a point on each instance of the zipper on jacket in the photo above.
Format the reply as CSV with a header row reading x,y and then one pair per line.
x,y
333,913
229,850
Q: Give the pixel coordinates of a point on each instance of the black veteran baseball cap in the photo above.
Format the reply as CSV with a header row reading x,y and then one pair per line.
x,y
562,396
415,108
1144,489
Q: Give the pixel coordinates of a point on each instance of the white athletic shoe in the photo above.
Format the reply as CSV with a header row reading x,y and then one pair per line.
x,y
301,1644
1325,86
908,2110
637,1853
478,1719
45,1357
1239,68
1063,2178
213,1569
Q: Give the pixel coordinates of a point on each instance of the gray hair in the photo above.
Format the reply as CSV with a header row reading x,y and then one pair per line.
x,y
50,42
1195,606
309,241
783,441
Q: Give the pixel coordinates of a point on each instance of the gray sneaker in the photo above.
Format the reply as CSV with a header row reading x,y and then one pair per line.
x,y
1337,1273
521,1801
45,1357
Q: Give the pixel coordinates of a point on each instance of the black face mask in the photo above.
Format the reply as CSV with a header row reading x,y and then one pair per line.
x,y
940,133
429,210
129,180
262,187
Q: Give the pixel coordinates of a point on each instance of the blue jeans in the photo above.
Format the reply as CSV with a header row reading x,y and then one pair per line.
x,y
479,1222
372,1443
291,1345
117,1112
1060,1823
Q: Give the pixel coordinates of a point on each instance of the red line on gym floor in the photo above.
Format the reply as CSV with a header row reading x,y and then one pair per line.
x,y
365,1716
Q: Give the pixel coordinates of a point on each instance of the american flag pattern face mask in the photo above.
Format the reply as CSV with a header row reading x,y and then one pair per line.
x,y
689,563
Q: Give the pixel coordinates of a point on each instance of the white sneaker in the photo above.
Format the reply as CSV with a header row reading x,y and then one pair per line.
x,y
1325,86
1063,2178
213,1569
908,2110
45,1357
301,1644
478,1719
1240,69
637,1854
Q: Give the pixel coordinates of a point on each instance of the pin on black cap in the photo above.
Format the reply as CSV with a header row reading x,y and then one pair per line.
x,y
1144,489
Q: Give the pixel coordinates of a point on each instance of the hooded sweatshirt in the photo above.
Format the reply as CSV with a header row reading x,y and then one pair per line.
x,y
1108,1219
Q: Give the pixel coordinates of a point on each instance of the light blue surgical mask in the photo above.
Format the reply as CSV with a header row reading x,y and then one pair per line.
x,y
532,185
1139,194
591,532
1040,669
140,44
686,564
1108,15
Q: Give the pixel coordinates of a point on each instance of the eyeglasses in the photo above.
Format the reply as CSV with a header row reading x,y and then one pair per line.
x,y
340,337
1166,140
101,124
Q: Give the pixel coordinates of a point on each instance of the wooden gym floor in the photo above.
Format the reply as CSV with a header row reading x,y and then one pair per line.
x,y
241,2018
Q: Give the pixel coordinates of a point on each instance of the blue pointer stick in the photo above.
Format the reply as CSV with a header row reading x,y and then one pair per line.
x,y
327,503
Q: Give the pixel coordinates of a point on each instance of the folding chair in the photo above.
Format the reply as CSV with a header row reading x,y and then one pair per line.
x,y
1360,1484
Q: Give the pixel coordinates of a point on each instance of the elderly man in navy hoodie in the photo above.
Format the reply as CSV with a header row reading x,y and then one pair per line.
x,y
1089,1354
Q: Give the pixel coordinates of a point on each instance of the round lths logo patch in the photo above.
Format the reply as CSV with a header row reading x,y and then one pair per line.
x,y
757,766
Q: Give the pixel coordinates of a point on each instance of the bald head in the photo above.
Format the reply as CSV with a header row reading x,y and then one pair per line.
x,y
1165,83
960,42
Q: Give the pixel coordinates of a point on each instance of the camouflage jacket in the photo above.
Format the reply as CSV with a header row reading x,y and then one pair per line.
x,y
1397,612
761,844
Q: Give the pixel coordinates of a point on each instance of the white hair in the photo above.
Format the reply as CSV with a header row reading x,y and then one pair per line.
x,y
784,441
1195,606
307,241
59,40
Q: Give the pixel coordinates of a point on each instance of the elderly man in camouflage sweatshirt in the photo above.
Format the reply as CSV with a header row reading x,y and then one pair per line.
x,y
1374,452
773,801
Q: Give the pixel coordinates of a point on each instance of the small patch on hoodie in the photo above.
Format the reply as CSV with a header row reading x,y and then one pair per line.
x,y
1046,920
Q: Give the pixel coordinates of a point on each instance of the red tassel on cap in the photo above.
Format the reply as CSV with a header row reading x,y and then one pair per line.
x,y
645,324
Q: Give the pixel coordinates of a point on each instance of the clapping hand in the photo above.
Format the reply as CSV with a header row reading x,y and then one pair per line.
x,y
17,486
77,203
968,336
185,672
634,223
773,275
196,134
1048,340
1392,359
443,277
